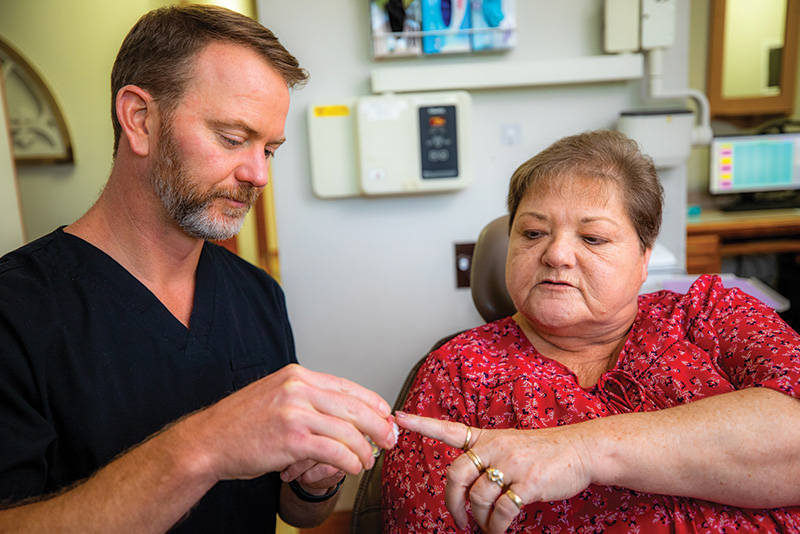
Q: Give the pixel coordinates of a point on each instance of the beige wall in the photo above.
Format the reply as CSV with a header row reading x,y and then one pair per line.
x,y
11,235
697,167
72,45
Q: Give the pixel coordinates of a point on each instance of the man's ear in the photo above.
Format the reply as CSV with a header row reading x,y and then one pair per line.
x,y
136,114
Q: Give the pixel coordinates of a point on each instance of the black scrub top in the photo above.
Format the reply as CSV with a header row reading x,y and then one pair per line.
x,y
91,363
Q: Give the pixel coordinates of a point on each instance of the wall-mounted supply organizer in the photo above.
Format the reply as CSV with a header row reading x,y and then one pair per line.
x,y
402,28
390,145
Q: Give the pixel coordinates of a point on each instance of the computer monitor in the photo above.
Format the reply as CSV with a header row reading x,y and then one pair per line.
x,y
755,163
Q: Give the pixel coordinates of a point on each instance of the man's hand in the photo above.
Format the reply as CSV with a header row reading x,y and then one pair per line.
x,y
290,418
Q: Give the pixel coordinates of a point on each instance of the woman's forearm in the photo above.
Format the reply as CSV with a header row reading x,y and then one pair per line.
x,y
740,448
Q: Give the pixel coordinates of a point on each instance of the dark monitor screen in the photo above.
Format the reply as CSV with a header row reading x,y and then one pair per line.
x,y
752,163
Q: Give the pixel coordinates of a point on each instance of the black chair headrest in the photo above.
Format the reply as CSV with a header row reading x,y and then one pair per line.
x,y
488,273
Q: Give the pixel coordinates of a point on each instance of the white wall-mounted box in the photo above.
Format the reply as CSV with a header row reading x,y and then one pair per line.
x,y
391,144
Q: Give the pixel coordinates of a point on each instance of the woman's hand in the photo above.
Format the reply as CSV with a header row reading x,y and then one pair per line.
x,y
535,465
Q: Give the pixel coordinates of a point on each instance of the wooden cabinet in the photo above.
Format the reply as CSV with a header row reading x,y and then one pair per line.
x,y
714,235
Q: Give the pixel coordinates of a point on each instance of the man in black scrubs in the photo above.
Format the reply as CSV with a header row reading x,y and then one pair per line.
x,y
147,377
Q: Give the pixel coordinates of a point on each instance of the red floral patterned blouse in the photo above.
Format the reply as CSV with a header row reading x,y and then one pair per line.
x,y
681,348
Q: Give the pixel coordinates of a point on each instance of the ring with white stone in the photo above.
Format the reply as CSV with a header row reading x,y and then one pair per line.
x,y
496,476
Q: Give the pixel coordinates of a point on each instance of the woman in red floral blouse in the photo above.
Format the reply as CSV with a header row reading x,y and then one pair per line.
x,y
595,409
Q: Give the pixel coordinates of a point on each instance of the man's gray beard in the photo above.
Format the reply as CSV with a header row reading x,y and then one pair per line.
x,y
187,207
198,222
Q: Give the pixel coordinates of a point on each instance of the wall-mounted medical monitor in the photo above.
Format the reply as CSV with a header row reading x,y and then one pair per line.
x,y
395,144
753,163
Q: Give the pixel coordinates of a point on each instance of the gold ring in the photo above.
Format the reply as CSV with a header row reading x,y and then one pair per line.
x,y
475,460
466,441
496,476
514,498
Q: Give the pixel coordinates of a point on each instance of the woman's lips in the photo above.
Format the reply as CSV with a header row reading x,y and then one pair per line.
x,y
555,283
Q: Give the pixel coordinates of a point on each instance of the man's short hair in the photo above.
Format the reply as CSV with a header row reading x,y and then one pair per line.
x,y
159,51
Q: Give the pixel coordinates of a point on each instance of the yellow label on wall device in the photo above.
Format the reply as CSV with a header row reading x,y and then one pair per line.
x,y
331,111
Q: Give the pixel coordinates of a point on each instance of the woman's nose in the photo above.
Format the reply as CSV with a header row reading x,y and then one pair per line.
x,y
559,252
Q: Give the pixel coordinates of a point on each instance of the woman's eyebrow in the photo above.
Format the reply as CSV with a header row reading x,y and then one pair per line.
x,y
535,215
599,218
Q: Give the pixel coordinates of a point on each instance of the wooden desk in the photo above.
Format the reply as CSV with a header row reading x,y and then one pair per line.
x,y
714,234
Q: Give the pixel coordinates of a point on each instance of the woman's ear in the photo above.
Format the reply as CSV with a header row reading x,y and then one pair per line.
x,y
645,267
136,113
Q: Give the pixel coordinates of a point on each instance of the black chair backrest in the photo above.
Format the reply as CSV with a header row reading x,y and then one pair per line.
x,y
366,517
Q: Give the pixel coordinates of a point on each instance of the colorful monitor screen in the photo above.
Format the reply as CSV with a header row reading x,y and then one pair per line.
x,y
751,163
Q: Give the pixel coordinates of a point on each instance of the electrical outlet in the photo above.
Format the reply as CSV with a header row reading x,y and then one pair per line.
x,y
510,134
463,263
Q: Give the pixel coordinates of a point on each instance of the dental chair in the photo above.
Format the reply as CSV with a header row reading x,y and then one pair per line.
x,y
491,298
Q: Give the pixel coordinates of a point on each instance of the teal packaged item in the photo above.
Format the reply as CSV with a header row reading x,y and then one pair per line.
x,y
493,24
450,22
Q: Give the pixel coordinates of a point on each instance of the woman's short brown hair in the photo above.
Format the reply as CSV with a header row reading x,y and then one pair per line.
x,y
602,154
159,51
